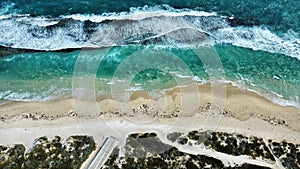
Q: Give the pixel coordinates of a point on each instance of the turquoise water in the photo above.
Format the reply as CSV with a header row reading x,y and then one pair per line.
x,y
257,42
48,75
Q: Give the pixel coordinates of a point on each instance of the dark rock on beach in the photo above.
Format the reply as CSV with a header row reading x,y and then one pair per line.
x,y
4,51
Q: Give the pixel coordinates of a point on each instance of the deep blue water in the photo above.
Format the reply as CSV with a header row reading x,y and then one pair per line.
x,y
277,15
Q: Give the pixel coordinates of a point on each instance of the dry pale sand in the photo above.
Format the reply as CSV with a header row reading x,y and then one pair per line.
x,y
179,109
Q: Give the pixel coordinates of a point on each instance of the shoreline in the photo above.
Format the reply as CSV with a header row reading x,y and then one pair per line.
x,y
252,115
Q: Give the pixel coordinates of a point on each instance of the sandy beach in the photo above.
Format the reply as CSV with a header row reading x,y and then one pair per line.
x,y
150,84
178,110
244,112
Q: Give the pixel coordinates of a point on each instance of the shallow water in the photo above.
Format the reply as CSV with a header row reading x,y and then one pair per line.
x,y
256,42
44,76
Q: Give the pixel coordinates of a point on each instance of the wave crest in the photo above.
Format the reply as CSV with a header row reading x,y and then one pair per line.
x,y
144,25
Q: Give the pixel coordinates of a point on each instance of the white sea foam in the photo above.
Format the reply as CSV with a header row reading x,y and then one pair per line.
x,y
30,32
270,95
180,75
258,38
246,85
38,21
134,88
139,13
40,97
67,92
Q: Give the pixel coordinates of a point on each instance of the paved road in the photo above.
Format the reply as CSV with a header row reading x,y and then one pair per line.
x,y
104,153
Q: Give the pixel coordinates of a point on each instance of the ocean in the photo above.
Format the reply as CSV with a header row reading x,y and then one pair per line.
x,y
44,44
